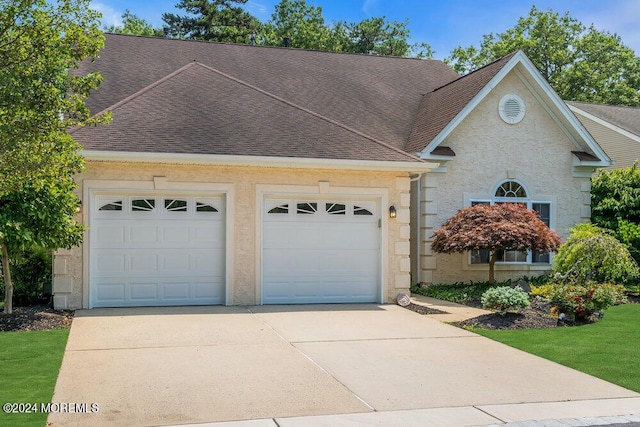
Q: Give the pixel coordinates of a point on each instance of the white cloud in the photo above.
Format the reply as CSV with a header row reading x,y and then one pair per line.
x,y
259,9
370,7
110,16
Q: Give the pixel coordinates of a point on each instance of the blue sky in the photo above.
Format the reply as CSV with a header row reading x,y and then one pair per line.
x,y
444,24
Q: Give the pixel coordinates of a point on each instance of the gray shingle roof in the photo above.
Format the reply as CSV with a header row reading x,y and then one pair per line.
x,y
273,101
199,110
627,118
441,106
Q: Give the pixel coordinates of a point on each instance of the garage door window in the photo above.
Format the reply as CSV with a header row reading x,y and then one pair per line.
x,y
143,205
175,205
331,208
307,208
357,210
205,207
112,206
336,209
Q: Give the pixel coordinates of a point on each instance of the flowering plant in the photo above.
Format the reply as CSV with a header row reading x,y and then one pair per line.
x,y
584,300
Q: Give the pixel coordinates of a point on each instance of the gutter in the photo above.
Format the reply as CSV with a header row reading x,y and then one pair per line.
x,y
258,161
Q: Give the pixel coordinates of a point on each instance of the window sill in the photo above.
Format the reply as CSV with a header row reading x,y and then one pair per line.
x,y
516,266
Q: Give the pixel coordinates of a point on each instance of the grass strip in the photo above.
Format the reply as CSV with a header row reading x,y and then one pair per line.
x,y
29,366
607,349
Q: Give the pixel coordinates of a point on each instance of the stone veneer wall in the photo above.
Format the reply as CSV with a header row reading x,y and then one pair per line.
x,y
69,288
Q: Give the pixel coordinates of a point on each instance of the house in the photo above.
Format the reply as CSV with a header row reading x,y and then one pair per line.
x,y
236,174
616,128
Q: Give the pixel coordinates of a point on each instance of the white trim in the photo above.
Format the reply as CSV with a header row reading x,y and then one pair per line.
x,y
92,187
520,58
605,123
260,161
263,191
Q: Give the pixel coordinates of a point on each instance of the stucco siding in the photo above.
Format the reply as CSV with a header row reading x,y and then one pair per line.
x,y
535,152
71,289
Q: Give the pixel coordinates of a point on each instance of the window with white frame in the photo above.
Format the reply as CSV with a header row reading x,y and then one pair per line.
x,y
512,191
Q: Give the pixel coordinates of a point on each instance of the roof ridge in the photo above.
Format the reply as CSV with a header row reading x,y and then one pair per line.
x,y
306,110
142,91
597,104
510,55
294,49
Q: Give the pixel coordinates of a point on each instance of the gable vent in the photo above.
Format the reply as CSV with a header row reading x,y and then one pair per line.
x,y
511,108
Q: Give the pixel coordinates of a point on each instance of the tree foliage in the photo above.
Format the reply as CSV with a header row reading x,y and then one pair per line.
x,y
40,99
379,36
615,205
301,23
214,20
495,228
132,24
615,195
580,63
592,254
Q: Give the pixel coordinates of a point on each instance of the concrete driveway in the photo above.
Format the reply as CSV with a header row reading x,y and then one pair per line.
x,y
305,365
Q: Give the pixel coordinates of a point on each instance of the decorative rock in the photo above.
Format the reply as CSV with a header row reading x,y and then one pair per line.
x,y
403,300
524,285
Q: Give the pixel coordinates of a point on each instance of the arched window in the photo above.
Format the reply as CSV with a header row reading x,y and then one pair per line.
x,y
512,191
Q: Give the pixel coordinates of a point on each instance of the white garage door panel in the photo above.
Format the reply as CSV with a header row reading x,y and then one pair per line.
x,y
157,257
320,257
114,262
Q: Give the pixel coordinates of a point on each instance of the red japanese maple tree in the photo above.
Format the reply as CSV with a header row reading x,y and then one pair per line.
x,y
494,228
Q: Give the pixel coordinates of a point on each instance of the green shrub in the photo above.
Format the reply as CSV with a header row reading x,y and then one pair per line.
x,y
31,274
459,292
504,299
544,291
584,300
592,254
629,234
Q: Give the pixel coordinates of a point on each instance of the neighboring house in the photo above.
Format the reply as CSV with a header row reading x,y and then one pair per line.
x,y
615,128
235,174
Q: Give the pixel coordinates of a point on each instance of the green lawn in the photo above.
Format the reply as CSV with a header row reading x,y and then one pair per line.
x,y
607,349
29,365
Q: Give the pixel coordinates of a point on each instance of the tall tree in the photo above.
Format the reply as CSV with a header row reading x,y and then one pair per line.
x,y
301,23
133,24
579,63
495,228
214,20
379,36
40,99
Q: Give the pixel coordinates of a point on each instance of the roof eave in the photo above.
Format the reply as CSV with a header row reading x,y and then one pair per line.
x,y
520,58
605,123
258,161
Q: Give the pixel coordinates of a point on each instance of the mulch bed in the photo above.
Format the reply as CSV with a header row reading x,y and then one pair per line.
x,y
421,309
535,317
35,318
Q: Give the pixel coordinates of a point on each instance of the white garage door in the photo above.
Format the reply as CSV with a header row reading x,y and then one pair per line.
x,y
150,250
320,251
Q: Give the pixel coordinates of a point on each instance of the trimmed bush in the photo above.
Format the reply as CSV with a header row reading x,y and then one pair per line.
x,y
505,299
